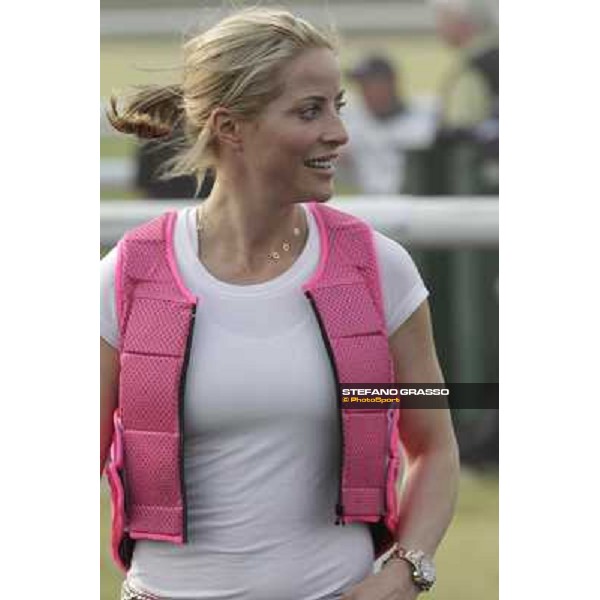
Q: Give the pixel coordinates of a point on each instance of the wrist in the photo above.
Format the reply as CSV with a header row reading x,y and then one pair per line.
x,y
400,574
420,567
398,567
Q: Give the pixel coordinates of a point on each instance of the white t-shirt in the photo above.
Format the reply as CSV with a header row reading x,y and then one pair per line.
x,y
261,436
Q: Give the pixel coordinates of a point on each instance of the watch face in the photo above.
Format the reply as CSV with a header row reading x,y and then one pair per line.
x,y
427,570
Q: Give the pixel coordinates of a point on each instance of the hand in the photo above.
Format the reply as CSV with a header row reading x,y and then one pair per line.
x,y
393,582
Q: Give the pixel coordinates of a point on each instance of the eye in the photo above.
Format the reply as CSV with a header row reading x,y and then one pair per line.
x,y
340,105
311,112
308,114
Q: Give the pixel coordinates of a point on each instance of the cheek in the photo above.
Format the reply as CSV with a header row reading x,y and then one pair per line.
x,y
289,150
295,137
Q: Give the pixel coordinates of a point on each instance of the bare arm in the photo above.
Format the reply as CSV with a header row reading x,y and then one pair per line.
x,y
429,496
109,387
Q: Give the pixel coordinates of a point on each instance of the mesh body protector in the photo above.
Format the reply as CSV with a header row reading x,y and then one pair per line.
x,y
156,318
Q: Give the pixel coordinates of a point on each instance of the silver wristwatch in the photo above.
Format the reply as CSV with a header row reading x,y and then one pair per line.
x,y
423,569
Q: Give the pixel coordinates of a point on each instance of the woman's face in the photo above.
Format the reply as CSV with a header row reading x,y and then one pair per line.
x,y
291,147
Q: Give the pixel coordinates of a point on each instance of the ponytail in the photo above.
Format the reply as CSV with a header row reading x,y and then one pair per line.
x,y
155,111
151,111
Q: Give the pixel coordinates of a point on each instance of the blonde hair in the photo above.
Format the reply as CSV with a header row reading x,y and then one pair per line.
x,y
235,64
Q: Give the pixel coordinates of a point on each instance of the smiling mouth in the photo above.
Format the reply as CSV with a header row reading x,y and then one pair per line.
x,y
326,163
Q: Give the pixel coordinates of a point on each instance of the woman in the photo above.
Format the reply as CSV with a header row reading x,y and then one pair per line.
x,y
225,328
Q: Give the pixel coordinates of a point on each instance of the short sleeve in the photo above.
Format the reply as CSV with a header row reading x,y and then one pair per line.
x,y
402,286
109,327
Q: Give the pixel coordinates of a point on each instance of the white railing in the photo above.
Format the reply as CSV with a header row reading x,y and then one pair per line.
x,y
117,172
438,222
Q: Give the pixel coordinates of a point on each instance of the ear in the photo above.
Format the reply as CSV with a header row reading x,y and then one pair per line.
x,y
226,128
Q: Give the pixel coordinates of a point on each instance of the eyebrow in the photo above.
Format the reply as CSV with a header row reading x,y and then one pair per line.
x,y
323,98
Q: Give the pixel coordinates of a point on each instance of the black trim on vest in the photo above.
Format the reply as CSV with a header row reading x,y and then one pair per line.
x,y
182,380
125,549
339,507
126,543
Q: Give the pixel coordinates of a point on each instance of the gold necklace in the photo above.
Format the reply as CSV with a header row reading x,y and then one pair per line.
x,y
273,256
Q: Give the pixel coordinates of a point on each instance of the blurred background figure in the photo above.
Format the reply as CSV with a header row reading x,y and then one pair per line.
x,y
465,161
468,138
382,126
150,156
471,90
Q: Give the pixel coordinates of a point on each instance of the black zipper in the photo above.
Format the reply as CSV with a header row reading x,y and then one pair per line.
x,y
339,507
182,380
389,432
126,544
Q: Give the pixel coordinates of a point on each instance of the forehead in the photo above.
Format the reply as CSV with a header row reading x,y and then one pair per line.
x,y
315,71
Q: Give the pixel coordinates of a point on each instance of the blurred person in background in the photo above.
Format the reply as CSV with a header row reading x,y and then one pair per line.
x,y
465,161
382,126
224,329
468,138
470,91
150,158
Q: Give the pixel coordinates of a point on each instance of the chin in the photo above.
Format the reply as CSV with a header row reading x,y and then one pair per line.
x,y
314,193
322,195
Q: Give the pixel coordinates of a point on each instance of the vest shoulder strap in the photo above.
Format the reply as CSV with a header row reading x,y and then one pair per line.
x,y
346,292
146,268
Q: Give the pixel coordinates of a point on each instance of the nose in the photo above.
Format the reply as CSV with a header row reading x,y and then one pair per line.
x,y
335,133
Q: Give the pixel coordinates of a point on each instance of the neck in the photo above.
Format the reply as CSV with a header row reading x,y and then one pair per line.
x,y
242,229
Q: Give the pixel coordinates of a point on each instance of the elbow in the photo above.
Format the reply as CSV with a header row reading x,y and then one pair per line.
x,y
451,455
444,453
454,460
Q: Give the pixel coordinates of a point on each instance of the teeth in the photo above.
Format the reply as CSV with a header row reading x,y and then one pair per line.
x,y
319,163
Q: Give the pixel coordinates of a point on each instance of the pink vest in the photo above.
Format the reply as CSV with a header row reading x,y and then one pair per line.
x,y
156,320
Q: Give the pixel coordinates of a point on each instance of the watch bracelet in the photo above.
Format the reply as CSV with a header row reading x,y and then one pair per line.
x,y
395,555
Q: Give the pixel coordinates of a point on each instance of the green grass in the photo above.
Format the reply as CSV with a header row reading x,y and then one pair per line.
x,y
119,146
110,575
467,559
135,61
119,194
422,60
